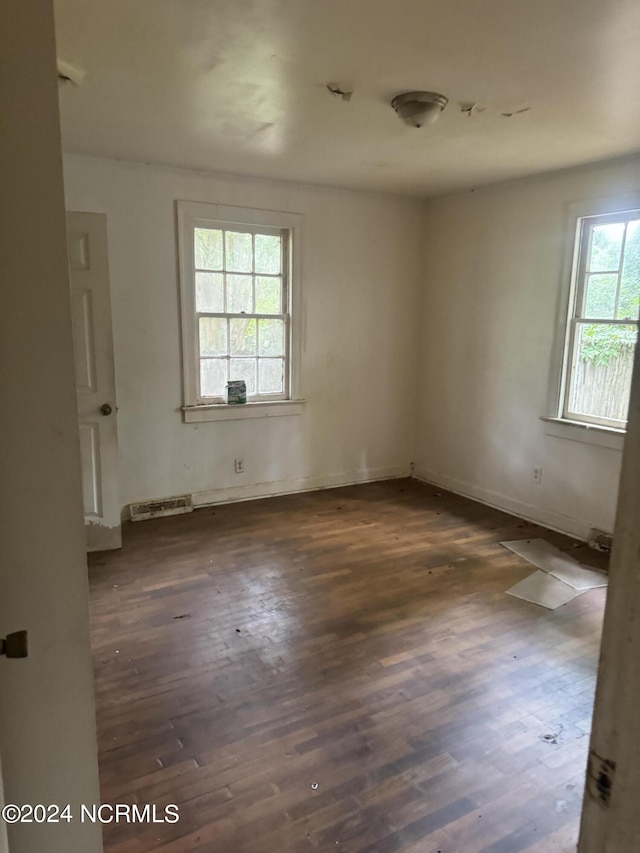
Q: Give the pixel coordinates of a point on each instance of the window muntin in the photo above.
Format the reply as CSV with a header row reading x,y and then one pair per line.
x,y
241,308
603,324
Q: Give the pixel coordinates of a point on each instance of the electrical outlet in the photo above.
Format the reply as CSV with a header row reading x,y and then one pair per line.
x,y
239,465
537,474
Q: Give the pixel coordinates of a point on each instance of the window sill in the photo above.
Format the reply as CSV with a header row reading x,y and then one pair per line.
x,y
601,436
241,411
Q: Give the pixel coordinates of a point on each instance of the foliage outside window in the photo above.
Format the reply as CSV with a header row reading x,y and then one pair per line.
x,y
603,326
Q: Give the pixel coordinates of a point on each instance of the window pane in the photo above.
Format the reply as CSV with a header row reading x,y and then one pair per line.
x,y
213,377
271,375
243,337
606,241
239,251
239,294
268,253
271,335
268,296
208,249
601,371
244,368
213,336
630,284
600,298
209,292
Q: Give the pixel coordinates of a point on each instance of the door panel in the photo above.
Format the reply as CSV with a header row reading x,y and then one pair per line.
x,y
91,470
95,377
84,344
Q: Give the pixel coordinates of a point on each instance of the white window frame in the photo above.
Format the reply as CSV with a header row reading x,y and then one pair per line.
x,y
191,215
560,420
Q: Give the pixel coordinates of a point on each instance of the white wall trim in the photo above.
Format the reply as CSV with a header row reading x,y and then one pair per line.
x,y
226,412
586,433
529,512
255,491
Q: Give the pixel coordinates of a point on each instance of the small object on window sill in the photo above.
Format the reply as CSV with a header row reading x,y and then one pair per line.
x,y
236,392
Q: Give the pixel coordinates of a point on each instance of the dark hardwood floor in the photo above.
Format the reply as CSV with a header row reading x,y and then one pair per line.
x,y
340,670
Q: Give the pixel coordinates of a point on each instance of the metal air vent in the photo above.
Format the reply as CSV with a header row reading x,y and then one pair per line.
x,y
600,541
157,509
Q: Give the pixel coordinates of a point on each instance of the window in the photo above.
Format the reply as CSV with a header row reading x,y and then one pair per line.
x,y
603,320
237,292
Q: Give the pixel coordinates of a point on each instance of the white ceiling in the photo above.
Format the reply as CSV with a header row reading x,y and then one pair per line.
x,y
239,86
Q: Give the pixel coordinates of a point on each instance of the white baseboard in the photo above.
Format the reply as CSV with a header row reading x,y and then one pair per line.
x,y
255,491
553,520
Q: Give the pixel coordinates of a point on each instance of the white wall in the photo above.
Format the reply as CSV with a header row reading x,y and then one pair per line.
x,y
360,285
493,271
47,720
491,262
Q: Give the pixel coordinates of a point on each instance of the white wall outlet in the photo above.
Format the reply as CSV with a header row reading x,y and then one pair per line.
x,y
537,474
239,466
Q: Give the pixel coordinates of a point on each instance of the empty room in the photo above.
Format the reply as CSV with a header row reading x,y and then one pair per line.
x,y
321,442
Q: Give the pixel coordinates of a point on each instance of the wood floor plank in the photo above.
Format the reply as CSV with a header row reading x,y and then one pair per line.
x,y
341,670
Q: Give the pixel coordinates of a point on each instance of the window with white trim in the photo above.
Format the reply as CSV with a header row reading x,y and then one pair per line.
x,y
236,289
602,327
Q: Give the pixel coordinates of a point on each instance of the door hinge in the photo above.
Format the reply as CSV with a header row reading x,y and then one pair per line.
x,y
601,773
15,645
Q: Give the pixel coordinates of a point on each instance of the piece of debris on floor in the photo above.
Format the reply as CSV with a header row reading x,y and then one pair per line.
x,y
543,555
559,578
183,616
545,590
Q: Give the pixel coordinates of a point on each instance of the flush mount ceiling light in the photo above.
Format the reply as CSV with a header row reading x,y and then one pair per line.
x,y
418,108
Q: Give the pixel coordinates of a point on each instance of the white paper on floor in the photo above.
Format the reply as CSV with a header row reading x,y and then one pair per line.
x,y
544,589
550,559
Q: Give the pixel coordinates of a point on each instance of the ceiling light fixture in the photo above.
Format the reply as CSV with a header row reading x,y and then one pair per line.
x,y
418,108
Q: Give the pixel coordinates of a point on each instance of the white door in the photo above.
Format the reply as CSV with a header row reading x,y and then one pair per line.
x,y
95,378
